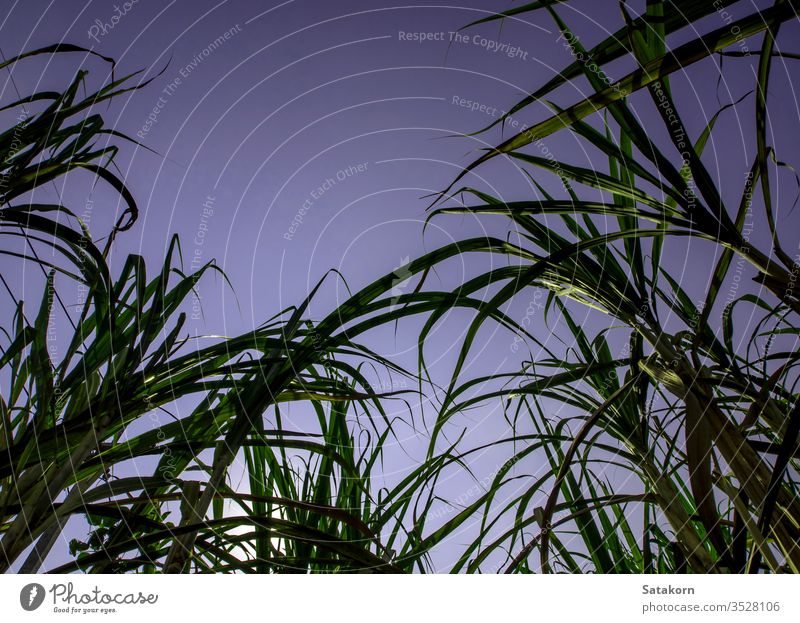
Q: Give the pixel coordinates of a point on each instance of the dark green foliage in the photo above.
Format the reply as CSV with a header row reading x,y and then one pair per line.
x,y
666,438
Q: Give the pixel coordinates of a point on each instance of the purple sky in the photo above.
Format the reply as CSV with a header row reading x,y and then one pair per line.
x,y
304,139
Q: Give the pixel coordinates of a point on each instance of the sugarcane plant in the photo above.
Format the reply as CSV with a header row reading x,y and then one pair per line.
x,y
658,434
73,422
687,397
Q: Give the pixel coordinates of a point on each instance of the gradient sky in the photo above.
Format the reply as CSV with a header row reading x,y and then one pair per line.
x,y
325,111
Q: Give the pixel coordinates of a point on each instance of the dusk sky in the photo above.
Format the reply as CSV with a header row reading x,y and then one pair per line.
x,y
297,137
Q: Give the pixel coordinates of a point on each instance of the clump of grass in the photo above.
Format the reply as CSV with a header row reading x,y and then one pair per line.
x,y
707,434
668,432
70,424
